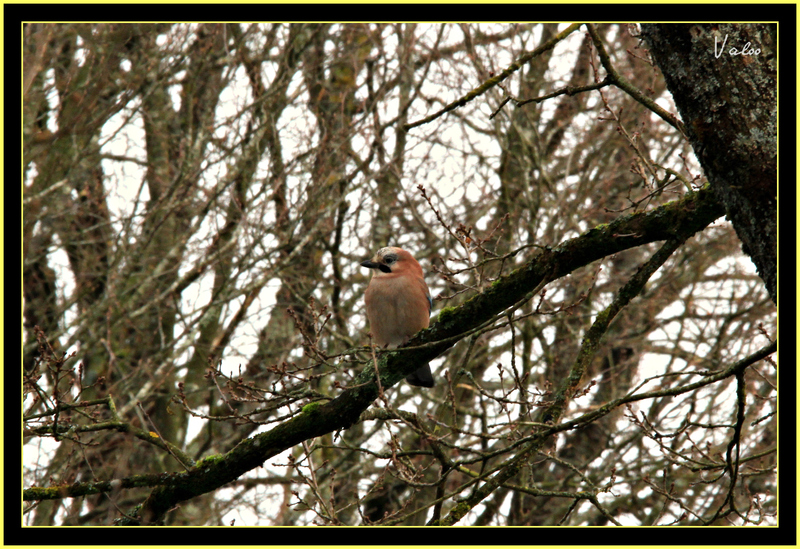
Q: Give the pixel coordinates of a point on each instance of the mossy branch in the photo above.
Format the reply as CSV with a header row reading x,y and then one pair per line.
x,y
677,219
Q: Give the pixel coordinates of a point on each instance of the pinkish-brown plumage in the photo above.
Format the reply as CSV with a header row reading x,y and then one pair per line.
x,y
398,303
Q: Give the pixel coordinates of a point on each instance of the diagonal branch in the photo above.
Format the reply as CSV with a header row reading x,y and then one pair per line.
x,y
675,220
553,413
625,85
495,80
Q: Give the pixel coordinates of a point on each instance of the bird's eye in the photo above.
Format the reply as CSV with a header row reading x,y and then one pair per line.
x,y
389,260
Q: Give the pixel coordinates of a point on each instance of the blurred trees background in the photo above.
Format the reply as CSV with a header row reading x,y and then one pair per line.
x,y
197,199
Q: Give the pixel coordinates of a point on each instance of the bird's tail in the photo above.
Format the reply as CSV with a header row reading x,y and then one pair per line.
x,y
422,377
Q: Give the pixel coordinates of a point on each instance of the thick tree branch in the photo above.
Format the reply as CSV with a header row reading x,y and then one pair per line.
x,y
677,219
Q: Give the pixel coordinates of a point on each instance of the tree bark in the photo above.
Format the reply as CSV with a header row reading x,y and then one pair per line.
x,y
723,79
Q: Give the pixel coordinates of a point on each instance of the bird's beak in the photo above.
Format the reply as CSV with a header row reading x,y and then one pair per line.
x,y
370,264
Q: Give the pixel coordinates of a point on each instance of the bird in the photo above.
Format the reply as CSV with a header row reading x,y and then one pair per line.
x,y
398,303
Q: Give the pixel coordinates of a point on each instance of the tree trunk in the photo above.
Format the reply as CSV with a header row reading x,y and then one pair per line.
x,y
723,79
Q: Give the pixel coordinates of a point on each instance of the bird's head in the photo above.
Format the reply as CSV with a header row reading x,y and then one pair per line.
x,y
392,261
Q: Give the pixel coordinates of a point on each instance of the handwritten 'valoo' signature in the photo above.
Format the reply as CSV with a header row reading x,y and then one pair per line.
x,y
747,49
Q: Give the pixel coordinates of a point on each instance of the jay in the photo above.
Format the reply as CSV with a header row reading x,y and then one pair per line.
x,y
398,303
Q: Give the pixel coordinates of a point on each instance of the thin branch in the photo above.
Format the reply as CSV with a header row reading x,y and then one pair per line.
x,y
624,84
492,82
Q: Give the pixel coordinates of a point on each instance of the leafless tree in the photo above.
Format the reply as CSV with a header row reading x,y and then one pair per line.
x,y
198,198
